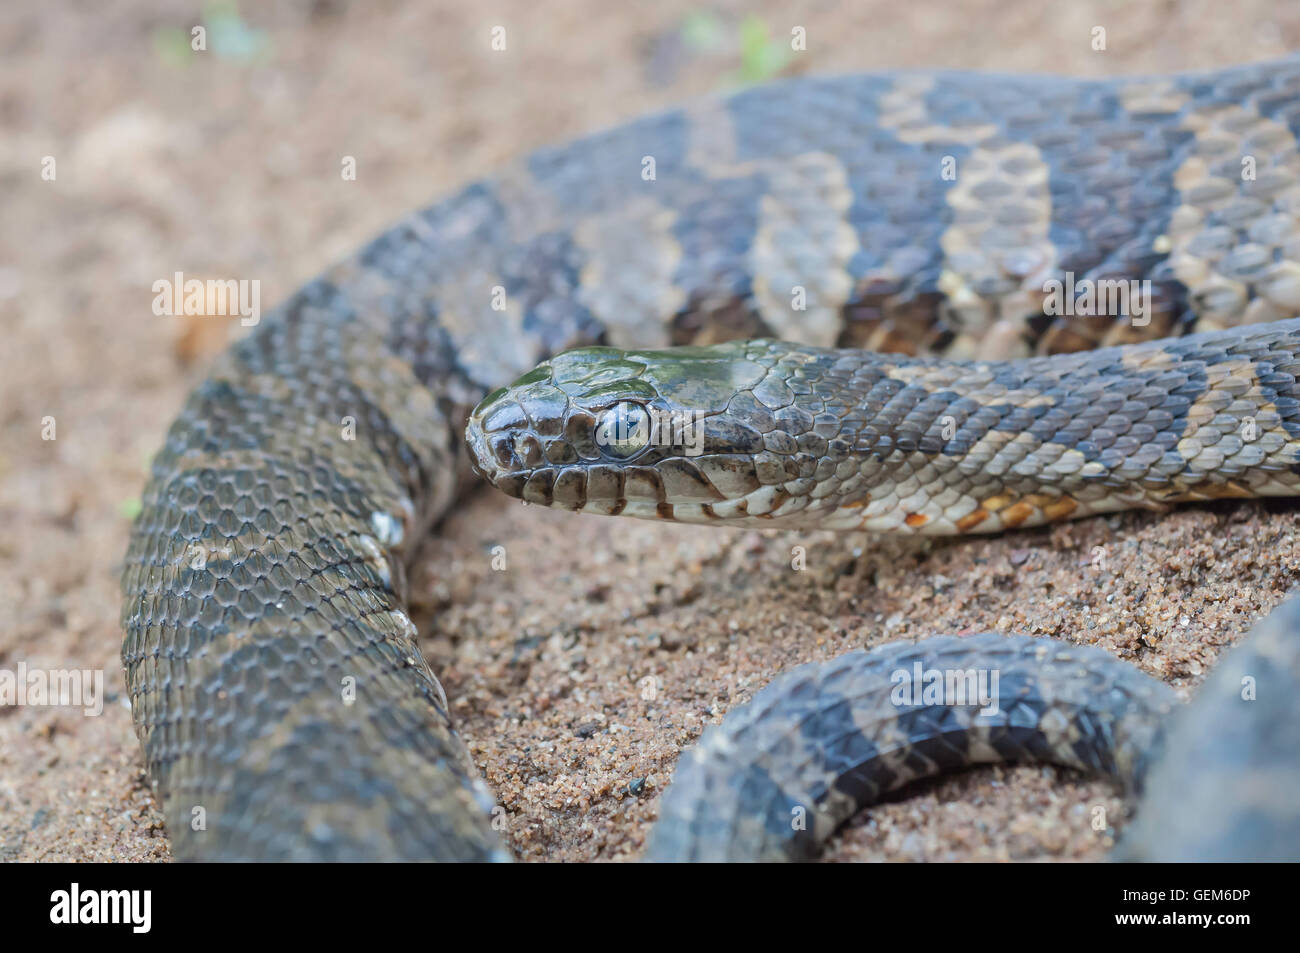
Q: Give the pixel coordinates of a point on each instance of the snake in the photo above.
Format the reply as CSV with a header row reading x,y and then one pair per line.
x,y
917,303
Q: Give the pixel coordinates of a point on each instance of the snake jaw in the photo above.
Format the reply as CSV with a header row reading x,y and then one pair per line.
x,y
608,431
572,459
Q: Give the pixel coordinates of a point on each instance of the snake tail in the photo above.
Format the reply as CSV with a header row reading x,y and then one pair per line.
x,y
827,739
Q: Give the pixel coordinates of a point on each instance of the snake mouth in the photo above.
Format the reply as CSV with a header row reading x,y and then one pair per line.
x,y
568,465
537,442
495,460
644,434
534,463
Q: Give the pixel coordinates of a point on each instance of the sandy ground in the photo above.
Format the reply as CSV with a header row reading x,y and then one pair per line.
x,y
579,672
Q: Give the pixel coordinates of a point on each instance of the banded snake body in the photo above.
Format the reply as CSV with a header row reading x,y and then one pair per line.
x,y
776,239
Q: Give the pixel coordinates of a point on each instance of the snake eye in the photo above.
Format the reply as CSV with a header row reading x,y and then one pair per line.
x,y
623,430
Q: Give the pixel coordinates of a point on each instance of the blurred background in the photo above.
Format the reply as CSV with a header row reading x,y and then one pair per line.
x,y
225,163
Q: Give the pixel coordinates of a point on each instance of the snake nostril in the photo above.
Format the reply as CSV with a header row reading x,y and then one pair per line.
x,y
503,451
529,450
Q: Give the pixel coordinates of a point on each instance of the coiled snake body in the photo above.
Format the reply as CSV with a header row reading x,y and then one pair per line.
x,y
973,226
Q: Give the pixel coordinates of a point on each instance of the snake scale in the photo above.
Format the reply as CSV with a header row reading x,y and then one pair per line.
x,y
839,290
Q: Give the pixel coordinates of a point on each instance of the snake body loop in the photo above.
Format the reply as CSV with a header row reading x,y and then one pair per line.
x,y
284,709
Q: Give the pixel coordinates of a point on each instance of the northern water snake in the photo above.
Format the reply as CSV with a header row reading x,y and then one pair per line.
x,y
283,707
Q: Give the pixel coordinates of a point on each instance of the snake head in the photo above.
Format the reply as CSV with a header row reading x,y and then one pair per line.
x,y
610,431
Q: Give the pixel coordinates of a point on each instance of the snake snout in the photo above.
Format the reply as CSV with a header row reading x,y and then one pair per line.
x,y
480,456
515,439
642,433
500,456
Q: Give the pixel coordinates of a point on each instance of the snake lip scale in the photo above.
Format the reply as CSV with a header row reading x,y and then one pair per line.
x,y
830,334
